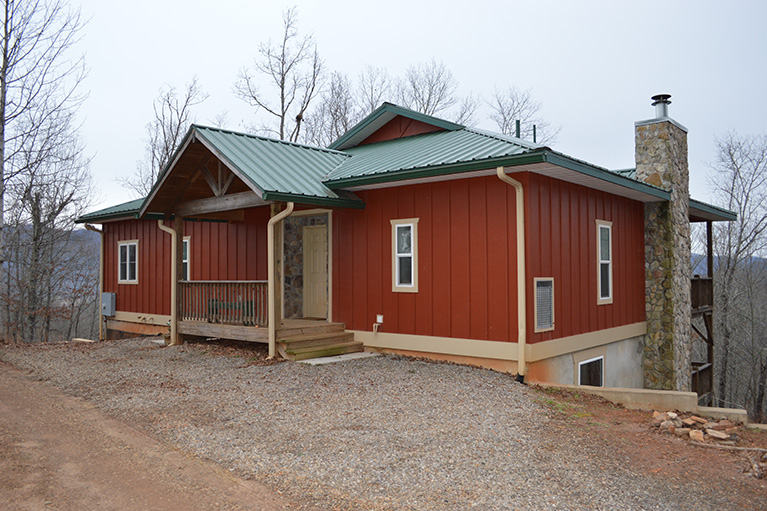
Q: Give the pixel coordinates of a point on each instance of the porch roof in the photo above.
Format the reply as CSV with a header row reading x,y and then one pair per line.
x,y
276,169
266,170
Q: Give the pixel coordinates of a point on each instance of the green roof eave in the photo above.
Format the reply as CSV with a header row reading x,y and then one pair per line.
x,y
437,170
314,200
97,219
723,214
127,210
567,162
396,110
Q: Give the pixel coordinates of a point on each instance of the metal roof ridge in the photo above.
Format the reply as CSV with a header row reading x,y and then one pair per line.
x,y
270,139
505,138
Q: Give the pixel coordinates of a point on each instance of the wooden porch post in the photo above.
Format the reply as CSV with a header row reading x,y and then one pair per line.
x,y
709,249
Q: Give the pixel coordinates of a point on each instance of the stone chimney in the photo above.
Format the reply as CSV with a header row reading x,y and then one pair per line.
x,y
661,160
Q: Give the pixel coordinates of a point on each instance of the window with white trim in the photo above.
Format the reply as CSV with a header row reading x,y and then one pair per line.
x,y
185,258
591,372
605,262
127,264
544,304
405,255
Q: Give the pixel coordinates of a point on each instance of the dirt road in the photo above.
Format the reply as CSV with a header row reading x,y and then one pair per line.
x,y
59,452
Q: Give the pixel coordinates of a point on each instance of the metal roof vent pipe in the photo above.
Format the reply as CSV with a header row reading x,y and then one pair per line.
x,y
661,103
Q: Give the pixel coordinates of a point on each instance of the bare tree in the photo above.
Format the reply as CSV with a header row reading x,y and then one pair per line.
x,y
51,192
467,110
172,117
512,104
429,88
374,88
740,184
335,114
38,79
294,71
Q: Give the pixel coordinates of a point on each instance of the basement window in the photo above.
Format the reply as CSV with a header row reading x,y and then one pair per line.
x,y
544,304
405,255
127,264
605,262
591,372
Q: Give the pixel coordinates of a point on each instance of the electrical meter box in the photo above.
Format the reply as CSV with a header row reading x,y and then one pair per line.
x,y
107,304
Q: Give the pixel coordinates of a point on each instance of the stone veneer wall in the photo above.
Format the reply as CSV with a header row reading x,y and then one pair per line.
x,y
293,283
661,158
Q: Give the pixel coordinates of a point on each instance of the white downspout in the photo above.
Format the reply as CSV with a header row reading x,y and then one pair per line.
x,y
173,281
270,249
521,296
101,278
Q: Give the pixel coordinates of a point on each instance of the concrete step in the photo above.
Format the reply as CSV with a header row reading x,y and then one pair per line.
x,y
324,350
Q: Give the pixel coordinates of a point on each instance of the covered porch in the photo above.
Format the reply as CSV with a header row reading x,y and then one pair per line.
x,y
273,229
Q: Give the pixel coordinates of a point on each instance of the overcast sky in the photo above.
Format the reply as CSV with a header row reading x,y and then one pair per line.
x,y
593,65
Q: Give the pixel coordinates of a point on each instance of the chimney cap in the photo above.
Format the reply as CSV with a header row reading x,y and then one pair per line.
x,y
661,98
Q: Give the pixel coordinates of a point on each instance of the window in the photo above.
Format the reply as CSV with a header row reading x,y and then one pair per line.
x,y
605,262
544,304
591,372
127,262
405,255
185,259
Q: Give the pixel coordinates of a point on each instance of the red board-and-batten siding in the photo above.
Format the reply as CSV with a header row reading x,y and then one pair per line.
x,y
219,251
467,258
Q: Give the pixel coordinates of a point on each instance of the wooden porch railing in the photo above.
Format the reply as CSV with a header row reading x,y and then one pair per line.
x,y
241,302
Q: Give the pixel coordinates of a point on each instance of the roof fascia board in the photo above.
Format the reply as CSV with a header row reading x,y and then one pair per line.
x,y
100,219
396,110
605,175
722,214
403,175
315,201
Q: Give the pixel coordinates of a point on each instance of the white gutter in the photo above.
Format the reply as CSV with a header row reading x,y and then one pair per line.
x,y
173,281
521,296
101,278
270,249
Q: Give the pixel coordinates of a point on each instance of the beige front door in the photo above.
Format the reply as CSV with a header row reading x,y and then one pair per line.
x,y
316,271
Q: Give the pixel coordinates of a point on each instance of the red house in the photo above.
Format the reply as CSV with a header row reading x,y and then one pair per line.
x,y
412,234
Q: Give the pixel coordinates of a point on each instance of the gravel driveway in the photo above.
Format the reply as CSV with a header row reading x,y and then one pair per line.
x,y
375,433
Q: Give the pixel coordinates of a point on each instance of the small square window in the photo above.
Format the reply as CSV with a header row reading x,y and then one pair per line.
x,y
544,304
591,372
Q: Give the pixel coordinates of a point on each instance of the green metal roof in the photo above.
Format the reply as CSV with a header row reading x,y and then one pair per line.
x,y
125,210
389,159
383,114
283,171
275,165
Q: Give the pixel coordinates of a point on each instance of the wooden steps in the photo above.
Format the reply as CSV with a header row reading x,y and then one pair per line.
x,y
316,341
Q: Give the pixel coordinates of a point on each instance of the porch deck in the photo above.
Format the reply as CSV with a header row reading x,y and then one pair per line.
x,y
287,328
